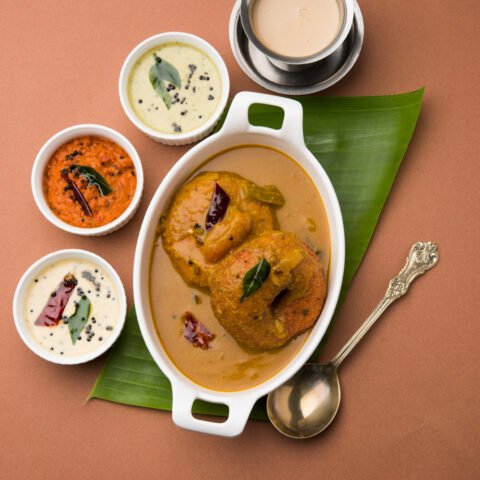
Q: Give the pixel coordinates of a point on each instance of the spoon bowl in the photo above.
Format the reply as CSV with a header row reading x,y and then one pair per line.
x,y
306,404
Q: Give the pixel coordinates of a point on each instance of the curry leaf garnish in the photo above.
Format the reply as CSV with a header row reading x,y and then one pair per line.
x,y
77,321
162,71
93,178
159,87
255,278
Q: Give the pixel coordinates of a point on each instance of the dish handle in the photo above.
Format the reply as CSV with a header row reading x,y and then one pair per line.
x,y
236,120
239,409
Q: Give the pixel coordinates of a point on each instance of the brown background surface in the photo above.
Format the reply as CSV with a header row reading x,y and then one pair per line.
x,y
411,394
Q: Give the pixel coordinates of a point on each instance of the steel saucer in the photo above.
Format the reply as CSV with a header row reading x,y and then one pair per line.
x,y
319,77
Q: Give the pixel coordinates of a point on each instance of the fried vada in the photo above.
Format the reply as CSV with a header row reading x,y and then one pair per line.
x,y
193,248
288,301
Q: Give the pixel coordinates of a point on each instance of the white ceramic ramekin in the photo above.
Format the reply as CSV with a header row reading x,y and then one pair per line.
x,y
60,139
175,138
236,131
21,292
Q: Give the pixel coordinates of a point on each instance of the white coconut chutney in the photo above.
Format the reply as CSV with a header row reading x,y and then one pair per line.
x,y
92,282
191,104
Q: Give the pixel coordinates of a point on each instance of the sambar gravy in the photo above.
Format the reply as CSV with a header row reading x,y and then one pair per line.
x,y
226,365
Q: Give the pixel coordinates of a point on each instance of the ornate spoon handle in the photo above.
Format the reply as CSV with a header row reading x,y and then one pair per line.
x,y
422,257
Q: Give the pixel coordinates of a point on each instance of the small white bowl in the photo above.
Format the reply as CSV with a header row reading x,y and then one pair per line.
x,y
22,289
174,138
59,139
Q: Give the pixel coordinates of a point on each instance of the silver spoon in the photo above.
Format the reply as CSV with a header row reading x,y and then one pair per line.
x,y
307,403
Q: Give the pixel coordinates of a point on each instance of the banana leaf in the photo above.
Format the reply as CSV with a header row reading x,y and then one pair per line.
x,y
360,141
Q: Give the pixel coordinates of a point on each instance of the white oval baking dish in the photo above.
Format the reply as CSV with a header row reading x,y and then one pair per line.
x,y
236,131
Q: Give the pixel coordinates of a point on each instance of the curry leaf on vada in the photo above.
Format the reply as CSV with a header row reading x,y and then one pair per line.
x,y
255,278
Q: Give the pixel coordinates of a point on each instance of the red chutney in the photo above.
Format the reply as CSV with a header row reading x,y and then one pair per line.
x,y
108,160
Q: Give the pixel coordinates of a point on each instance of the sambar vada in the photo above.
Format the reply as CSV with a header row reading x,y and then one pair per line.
x,y
287,299
194,247
292,205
